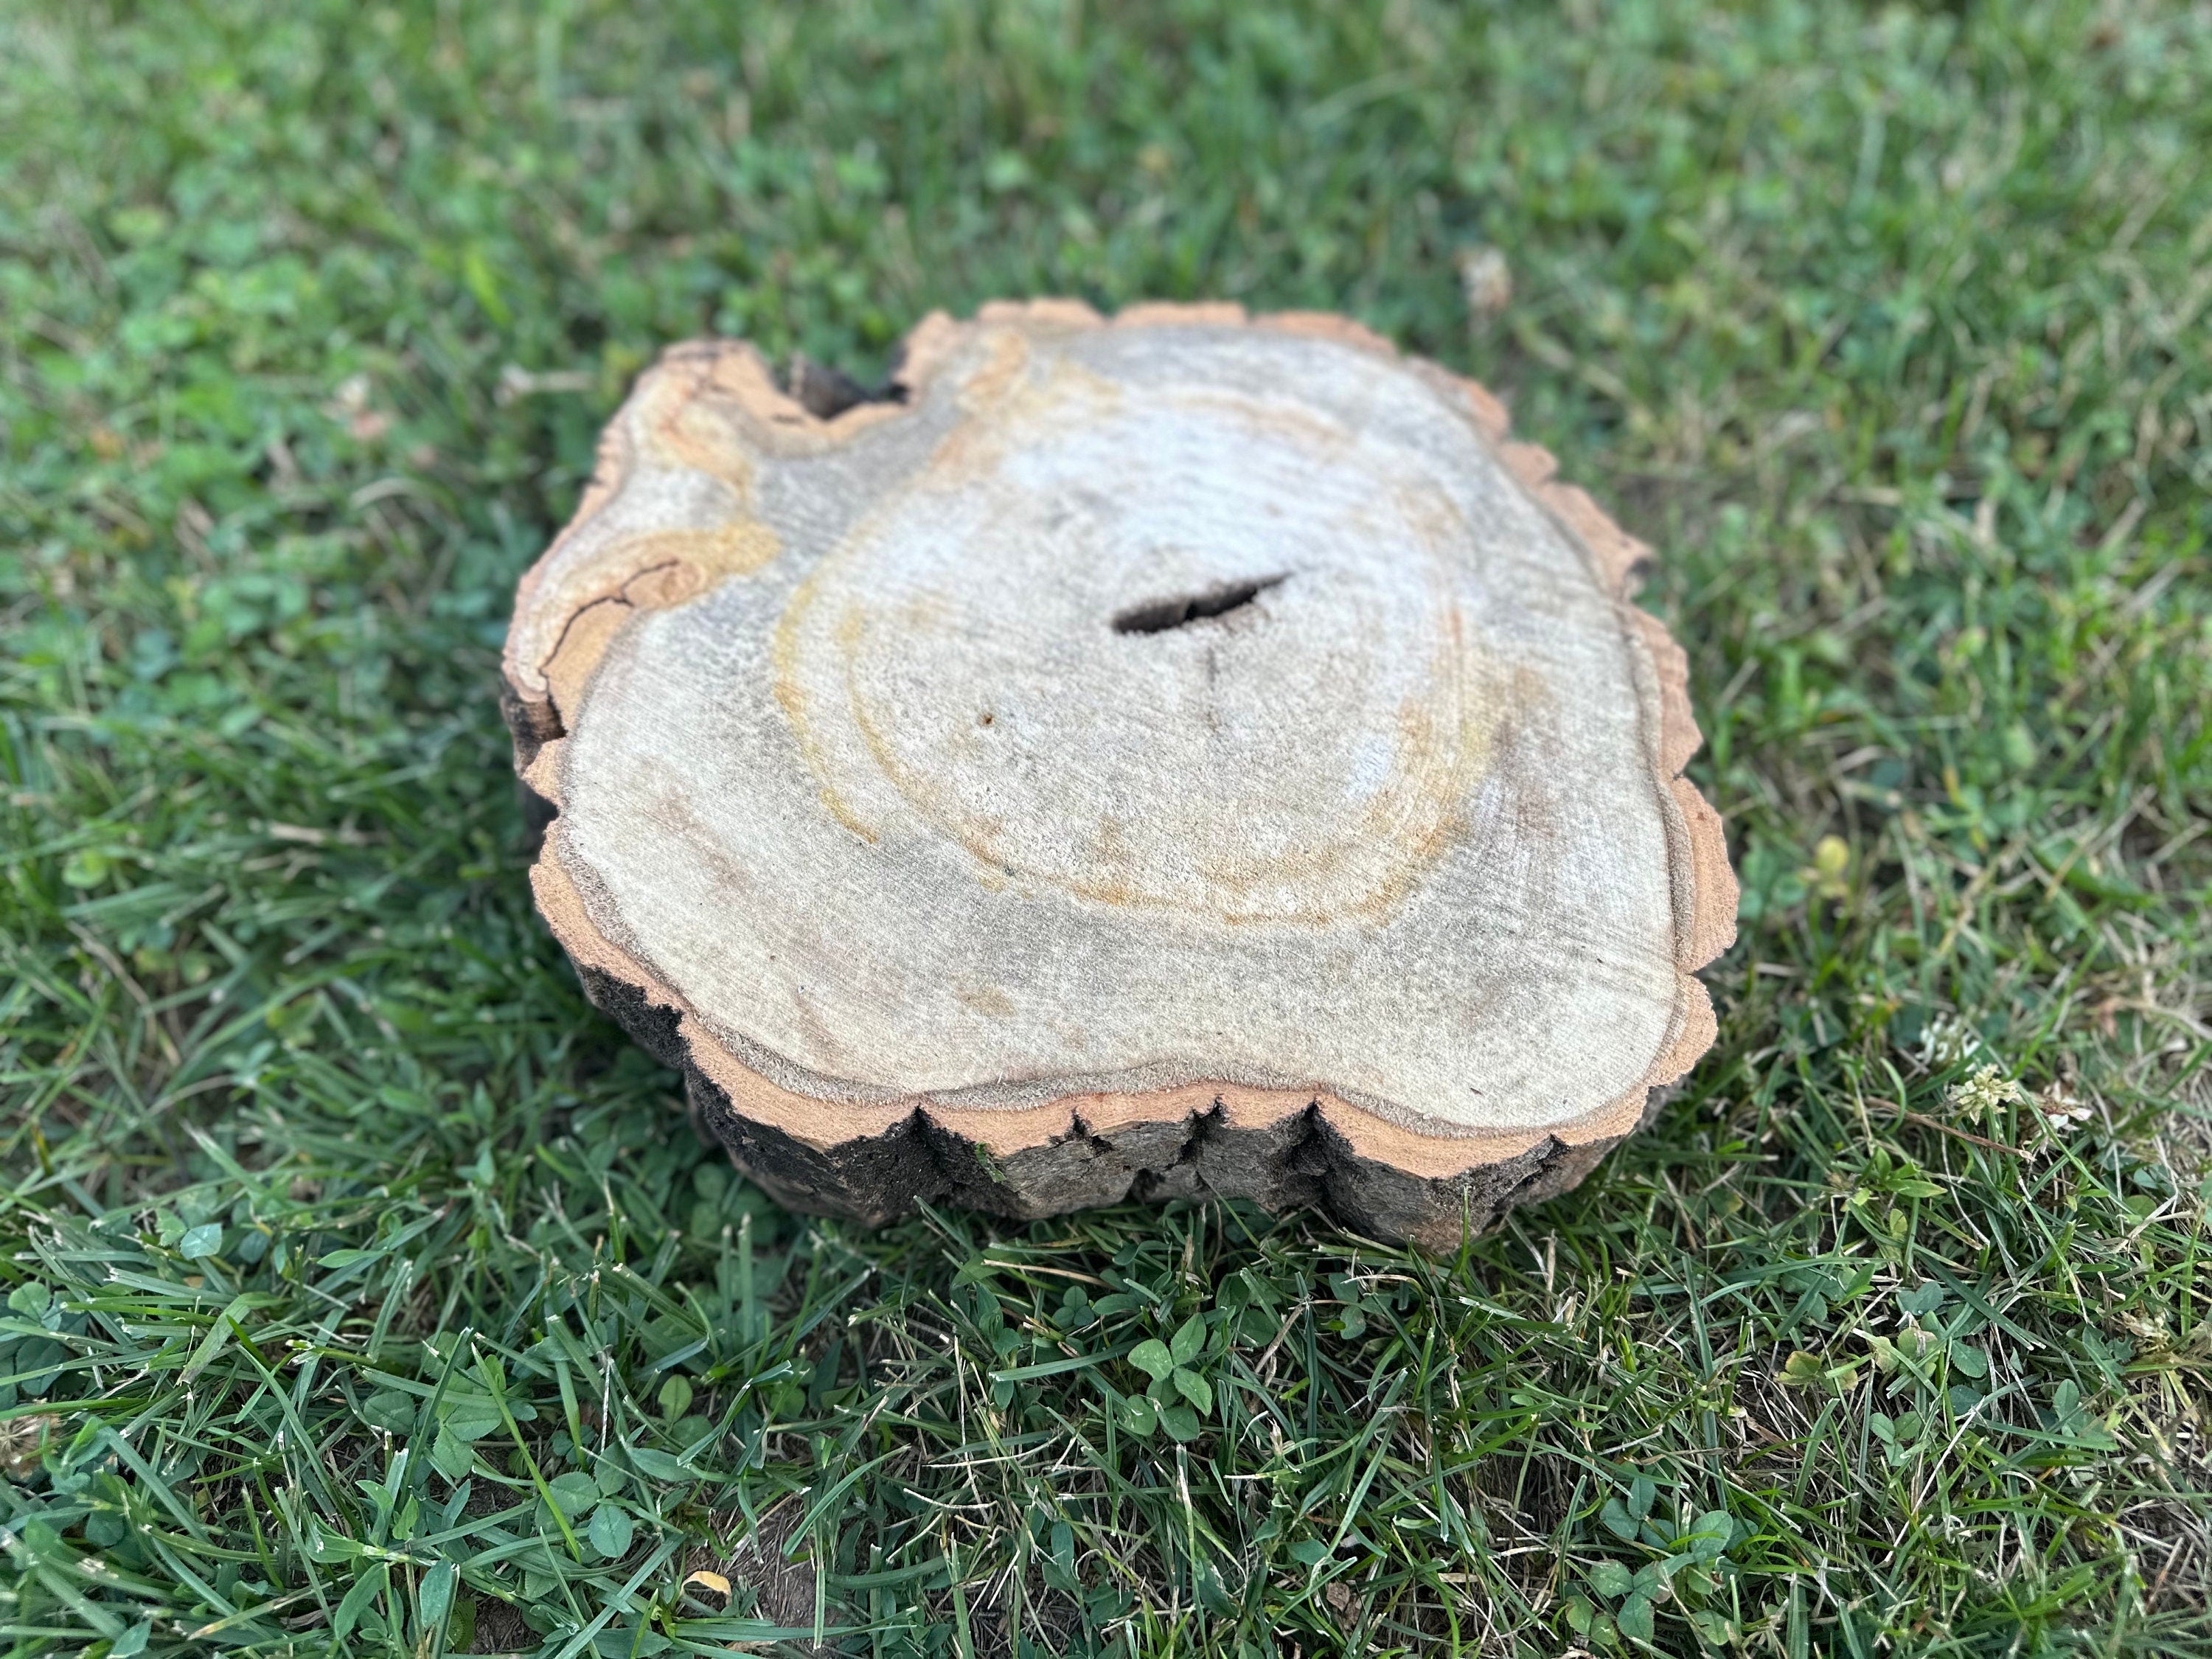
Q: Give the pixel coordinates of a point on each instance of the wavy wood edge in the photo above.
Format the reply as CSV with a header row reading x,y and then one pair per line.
x,y
1284,1148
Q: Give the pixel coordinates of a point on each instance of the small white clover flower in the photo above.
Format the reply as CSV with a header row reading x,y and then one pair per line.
x,y
1986,1088
1945,1040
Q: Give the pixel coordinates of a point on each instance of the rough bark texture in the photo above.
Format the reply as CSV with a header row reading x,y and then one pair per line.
x,y
1187,754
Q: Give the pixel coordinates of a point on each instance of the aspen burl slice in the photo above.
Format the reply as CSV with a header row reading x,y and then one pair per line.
x,y
1186,753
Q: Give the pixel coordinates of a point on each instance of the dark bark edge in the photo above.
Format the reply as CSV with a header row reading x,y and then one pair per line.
x,y
1299,1161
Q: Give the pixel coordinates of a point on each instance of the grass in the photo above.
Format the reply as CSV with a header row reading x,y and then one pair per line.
x,y
368,1293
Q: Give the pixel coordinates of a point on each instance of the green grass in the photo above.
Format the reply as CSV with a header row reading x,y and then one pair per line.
x,y
367,1292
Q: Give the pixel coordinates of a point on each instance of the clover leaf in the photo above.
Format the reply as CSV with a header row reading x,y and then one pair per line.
x,y
1611,1580
1187,1343
1194,1389
1153,1358
610,1531
1634,1617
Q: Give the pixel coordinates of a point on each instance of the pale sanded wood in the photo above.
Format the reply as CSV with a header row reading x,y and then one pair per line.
x,y
1186,753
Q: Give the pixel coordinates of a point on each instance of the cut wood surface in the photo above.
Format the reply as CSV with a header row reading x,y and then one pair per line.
x,y
1178,755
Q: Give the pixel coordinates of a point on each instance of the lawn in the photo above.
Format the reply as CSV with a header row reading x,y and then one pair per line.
x,y
367,1292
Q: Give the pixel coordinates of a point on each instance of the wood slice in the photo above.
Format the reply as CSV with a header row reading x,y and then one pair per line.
x,y
1187,753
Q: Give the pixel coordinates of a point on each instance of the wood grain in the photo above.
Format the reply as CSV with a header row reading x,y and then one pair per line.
x,y
1183,754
